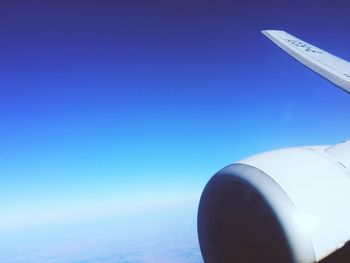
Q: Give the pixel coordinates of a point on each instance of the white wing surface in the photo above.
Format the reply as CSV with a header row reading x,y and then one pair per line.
x,y
332,68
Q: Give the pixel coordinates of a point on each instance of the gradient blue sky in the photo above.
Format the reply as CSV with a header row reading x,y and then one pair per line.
x,y
107,107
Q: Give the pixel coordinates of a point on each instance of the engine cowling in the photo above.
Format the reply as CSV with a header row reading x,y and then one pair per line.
x,y
290,205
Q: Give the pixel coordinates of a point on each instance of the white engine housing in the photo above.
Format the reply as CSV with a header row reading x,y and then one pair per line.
x,y
305,191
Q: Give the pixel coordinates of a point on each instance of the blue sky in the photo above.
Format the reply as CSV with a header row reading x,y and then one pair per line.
x,y
107,107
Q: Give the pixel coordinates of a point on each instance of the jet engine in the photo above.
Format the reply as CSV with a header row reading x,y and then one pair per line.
x,y
283,206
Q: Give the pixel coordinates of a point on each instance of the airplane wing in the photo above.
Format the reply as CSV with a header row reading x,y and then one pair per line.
x,y
332,68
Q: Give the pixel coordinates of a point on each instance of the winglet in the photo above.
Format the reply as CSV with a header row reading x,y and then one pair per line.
x,y
332,68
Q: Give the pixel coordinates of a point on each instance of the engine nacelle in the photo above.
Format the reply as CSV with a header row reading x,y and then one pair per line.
x,y
290,205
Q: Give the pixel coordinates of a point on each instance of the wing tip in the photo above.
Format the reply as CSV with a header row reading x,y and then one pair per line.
x,y
271,32
274,35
